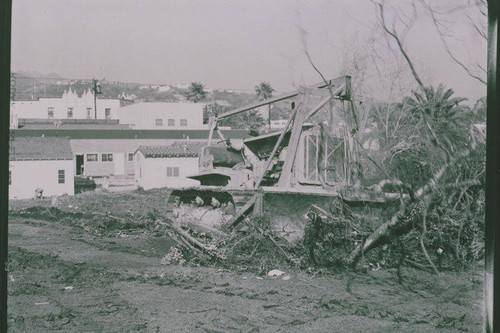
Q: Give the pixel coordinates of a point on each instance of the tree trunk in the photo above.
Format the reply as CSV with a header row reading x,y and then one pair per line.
x,y
403,221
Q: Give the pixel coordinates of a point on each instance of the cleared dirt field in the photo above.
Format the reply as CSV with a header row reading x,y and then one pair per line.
x,y
71,271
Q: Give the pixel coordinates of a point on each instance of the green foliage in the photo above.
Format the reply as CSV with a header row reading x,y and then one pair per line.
x,y
249,120
195,92
213,110
479,110
433,127
264,90
328,243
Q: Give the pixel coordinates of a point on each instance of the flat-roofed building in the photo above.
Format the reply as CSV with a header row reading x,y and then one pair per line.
x,y
152,115
69,106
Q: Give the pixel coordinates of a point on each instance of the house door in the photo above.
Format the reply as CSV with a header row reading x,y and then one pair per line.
x,y
119,161
79,164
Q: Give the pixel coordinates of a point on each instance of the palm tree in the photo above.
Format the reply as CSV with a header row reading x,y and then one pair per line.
x,y
195,92
265,91
252,121
436,127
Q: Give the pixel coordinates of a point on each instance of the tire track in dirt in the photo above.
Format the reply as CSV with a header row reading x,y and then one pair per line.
x,y
118,287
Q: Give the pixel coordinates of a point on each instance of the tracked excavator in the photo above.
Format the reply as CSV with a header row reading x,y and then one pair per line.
x,y
312,160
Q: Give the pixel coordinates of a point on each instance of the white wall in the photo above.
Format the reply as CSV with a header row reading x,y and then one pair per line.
x,y
27,176
144,115
152,172
115,146
39,109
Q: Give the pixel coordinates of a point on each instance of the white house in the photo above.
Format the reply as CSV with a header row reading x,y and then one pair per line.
x,y
161,116
104,158
69,106
40,162
167,166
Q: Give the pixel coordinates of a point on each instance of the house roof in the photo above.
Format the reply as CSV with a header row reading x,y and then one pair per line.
x,y
40,148
177,149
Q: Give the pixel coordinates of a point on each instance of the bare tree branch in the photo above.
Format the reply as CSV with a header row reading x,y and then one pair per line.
x,y
447,47
399,42
303,35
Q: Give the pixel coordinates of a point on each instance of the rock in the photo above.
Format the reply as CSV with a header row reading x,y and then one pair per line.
x,y
55,201
275,272
215,203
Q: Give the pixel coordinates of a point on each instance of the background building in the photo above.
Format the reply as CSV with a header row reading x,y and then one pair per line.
x,y
69,106
167,166
103,149
40,162
150,115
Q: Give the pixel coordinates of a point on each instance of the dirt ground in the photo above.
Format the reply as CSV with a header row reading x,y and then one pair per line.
x,y
70,273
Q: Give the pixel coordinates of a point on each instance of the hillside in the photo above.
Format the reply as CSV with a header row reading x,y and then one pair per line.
x,y
31,85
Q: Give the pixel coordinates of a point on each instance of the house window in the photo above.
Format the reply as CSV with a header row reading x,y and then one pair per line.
x,y
172,171
107,113
130,157
159,122
171,122
50,112
184,122
89,113
107,157
60,176
91,157
70,113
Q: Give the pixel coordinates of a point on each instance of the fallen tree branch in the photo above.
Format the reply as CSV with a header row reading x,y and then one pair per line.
x,y
417,265
271,238
194,242
182,242
403,221
422,235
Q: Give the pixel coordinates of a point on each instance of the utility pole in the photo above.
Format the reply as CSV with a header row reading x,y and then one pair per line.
x,y
5,83
96,88
492,228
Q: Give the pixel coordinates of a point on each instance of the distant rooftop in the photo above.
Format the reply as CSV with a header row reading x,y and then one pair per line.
x,y
70,124
177,149
40,148
118,132
166,107
73,126
68,121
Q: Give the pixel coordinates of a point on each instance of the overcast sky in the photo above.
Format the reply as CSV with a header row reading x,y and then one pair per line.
x,y
230,44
